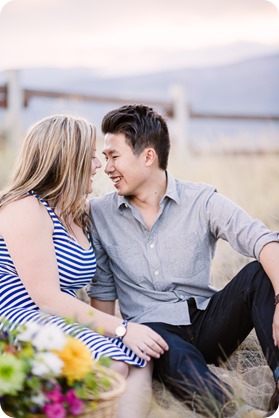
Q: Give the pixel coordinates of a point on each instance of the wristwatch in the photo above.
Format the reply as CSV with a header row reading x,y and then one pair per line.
x,y
121,330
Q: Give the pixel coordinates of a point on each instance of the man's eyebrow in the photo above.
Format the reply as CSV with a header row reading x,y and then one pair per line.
x,y
110,151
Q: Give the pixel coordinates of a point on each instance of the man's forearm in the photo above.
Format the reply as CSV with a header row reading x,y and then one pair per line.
x,y
107,306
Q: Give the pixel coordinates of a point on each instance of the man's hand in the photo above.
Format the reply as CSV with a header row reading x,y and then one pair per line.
x,y
145,342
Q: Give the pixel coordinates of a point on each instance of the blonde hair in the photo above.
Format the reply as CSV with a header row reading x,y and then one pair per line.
x,y
55,162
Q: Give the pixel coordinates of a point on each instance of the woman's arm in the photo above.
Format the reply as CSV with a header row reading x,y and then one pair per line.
x,y
27,230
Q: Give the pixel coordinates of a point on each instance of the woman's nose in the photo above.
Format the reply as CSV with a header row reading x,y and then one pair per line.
x,y
99,164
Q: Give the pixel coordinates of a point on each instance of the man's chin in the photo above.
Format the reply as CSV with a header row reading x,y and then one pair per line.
x,y
119,192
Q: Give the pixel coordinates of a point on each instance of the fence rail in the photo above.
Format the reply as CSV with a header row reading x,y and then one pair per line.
x,y
28,94
197,115
13,98
3,96
167,107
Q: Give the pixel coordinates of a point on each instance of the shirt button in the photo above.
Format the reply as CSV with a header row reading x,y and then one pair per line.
x,y
151,245
156,273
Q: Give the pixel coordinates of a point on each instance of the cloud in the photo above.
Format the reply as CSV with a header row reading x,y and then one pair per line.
x,y
97,33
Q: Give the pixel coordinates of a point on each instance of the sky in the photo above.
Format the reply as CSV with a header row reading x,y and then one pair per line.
x,y
118,37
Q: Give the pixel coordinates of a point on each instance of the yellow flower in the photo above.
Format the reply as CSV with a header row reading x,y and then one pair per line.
x,y
77,360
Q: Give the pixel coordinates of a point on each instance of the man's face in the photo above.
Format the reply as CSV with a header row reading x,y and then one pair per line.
x,y
126,170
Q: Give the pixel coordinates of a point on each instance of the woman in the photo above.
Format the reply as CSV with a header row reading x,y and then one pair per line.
x,y
46,252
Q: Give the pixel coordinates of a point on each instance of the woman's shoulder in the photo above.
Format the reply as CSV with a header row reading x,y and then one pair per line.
x,y
25,203
26,209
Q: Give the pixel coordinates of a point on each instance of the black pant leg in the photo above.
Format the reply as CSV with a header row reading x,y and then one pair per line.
x,y
185,373
247,301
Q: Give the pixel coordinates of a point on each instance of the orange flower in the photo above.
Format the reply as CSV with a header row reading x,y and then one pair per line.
x,y
77,360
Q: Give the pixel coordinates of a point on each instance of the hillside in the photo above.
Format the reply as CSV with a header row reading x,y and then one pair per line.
x,y
247,87
250,86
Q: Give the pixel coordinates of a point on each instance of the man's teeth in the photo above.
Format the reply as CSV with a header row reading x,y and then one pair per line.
x,y
116,179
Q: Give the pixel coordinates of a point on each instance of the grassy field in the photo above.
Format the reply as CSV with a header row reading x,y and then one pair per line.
x,y
252,182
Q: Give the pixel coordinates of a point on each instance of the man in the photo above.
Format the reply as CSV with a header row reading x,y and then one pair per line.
x,y
154,239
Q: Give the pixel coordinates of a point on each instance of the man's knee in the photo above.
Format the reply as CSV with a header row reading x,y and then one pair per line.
x,y
257,276
181,362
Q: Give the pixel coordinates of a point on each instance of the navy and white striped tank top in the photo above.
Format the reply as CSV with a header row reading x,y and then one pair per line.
x,y
76,267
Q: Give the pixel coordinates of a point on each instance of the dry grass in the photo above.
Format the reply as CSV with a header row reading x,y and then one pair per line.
x,y
252,182
246,372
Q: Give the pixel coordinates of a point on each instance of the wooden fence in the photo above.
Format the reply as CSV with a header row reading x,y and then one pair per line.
x,y
13,98
167,107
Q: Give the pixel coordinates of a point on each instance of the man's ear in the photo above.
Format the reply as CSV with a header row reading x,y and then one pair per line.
x,y
150,156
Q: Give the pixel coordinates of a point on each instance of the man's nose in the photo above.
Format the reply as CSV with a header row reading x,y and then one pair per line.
x,y
109,167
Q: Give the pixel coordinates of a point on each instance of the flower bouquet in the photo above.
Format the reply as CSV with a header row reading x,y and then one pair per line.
x,y
47,373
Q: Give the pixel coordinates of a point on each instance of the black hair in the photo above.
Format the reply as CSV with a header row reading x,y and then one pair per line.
x,y
142,127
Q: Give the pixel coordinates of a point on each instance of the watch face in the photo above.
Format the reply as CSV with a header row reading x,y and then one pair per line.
x,y
120,331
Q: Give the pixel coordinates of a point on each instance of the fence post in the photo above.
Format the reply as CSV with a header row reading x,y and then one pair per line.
x,y
180,119
13,114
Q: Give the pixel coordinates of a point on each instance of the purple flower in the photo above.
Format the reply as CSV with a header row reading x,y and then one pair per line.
x,y
54,410
75,404
55,394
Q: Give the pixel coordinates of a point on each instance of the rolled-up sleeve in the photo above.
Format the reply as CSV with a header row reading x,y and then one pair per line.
x,y
102,286
231,223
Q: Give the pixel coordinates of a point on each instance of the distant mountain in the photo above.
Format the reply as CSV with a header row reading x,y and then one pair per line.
x,y
249,87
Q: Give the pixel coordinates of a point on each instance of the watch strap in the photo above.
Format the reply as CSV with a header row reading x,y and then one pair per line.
x,y
125,321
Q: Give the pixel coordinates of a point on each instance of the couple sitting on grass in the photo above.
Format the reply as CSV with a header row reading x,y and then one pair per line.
x,y
150,245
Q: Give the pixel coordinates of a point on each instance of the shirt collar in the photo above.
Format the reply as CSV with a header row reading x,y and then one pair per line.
x,y
171,193
172,190
122,201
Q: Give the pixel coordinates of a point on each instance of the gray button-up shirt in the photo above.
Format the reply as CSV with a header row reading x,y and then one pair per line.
x,y
154,272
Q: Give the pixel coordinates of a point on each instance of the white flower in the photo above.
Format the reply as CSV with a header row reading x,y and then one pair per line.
x,y
29,331
49,337
46,364
39,399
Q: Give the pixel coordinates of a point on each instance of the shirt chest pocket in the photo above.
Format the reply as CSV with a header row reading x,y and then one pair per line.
x,y
185,255
126,261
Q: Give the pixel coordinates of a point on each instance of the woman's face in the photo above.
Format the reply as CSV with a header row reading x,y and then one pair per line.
x,y
95,164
